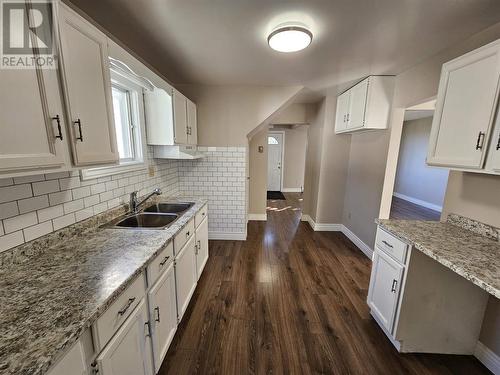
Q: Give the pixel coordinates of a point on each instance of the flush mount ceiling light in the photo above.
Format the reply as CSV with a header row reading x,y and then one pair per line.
x,y
289,38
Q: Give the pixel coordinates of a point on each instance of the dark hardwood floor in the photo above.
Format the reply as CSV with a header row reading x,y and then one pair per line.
x,y
290,301
401,209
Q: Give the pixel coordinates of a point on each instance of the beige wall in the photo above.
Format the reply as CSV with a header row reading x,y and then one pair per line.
x,y
293,114
294,158
258,174
471,195
227,114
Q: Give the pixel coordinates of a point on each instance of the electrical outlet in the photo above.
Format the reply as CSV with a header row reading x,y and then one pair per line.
x,y
152,171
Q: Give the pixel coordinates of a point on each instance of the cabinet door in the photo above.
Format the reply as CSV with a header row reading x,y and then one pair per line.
x,y
73,362
185,276
465,109
159,117
342,111
201,246
384,288
493,160
357,105
180,118
28,127
129,351
87,83
163,313
192,123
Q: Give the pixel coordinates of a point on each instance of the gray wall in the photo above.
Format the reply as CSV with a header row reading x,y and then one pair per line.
x,y
414,178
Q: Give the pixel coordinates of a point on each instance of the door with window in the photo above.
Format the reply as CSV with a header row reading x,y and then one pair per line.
x,y
274,161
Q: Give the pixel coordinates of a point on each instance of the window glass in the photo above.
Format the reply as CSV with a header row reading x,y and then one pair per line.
x,y
272,140
123,123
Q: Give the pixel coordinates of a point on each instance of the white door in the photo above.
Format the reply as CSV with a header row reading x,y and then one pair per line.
x,y
180,118
465,109
384,288
32,133
192,123
357,105
129,351
185,276
274,156
163,313
88,90
342,111
201,246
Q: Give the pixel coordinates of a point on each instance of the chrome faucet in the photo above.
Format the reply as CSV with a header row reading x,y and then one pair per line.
x,y
134,205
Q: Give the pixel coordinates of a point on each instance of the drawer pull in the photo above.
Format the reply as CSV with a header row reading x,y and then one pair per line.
x,y
129,303
187,234
58,121
498,143
157,311
162,263
196,249
387,244
394,285
480,141
79,123
203,213
148,329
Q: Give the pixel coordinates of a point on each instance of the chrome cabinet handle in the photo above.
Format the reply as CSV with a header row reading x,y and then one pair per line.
x,y
58,121
162,263
480,141
394,285
157,311
148,327
387,244
129,303
79,123
187,234
196,249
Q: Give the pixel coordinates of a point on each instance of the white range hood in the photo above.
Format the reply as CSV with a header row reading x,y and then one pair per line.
x,y
177,152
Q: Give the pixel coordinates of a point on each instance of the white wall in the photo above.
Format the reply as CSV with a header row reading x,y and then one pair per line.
x,y
294,158
414,178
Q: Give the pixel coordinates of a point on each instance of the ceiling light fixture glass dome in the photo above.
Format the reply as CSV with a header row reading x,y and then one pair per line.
x,y
289,38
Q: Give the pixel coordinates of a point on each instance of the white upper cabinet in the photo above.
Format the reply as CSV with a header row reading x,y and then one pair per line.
x,y
365,106
465,109
192,121
158,106
342,111
493,158
87,83
32,130
180,118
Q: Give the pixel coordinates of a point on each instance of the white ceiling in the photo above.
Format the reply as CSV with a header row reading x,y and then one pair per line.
x,y
224,41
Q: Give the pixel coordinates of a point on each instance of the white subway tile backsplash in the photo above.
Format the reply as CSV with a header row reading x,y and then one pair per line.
x,y
63,221
81,192
38,230
69,183
6,182
84,214
11,240
60,197
91,201
15,192
101,207
8,209
45,187
98,188
73,206
20,222
28,179
56,176
50,213
33,204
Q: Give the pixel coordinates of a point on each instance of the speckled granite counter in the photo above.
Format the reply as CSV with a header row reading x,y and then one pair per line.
x,y
47,301
473,255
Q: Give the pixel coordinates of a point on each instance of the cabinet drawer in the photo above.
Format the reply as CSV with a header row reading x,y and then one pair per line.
x,y
109,322
201,215
184,235
391,245
160,263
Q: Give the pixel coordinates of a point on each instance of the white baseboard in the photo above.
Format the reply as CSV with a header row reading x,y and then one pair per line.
x,y
257,217
291,190
420,202
236,236
322,227
367,250
487,357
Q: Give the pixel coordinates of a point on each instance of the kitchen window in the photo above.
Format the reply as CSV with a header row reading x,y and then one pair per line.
x,y
128,112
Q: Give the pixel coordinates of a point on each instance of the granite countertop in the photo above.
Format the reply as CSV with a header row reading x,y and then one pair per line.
x,y
48,301
473,256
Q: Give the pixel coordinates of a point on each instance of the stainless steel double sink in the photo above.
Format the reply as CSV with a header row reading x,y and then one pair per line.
x,y
156,216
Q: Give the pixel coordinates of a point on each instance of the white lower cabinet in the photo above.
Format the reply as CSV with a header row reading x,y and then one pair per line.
x,y
201,246
384,289
129,351
163,313
185,275
73,362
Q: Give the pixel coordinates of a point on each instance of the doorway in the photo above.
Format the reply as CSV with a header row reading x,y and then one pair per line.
x,y
419,189
275,152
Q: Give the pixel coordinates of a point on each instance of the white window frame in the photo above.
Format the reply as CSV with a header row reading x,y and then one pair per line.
x,y
127,81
